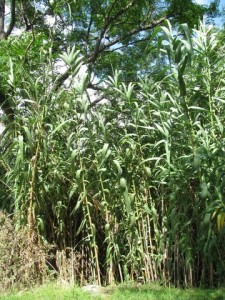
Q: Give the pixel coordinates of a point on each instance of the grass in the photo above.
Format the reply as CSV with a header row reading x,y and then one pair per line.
x,y
48,292
155,292
146,292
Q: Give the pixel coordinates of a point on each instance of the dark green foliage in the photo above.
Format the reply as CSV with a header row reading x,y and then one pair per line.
x,y
110,34
132,189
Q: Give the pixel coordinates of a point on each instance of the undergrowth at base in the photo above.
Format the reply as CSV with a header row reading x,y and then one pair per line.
x,y
132,292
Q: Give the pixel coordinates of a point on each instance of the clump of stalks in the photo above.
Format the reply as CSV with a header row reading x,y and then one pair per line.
x,y
132,189
22,264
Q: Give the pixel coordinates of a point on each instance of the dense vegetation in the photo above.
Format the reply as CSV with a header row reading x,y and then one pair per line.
x,y
130,189
110,34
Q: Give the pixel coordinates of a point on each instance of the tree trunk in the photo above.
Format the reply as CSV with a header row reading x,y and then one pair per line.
x,y
6,107
4,101
2,19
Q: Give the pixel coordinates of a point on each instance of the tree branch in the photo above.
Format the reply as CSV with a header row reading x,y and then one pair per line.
x,y
13,19
107,22
97,100
94,87
88,34
61,79
98,49
133,32
122,11
98,43
111,7
131,43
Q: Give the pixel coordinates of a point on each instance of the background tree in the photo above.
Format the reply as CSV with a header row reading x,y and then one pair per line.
x,y
110,34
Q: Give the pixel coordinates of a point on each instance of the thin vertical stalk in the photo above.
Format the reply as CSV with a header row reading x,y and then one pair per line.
x,y
90,228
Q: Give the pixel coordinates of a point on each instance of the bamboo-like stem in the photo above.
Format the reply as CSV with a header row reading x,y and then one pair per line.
x,y
82,266
31,216
110,271
92,234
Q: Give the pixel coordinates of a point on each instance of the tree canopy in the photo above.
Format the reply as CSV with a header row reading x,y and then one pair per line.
x,y
109,34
